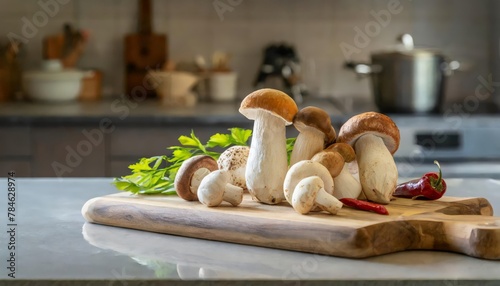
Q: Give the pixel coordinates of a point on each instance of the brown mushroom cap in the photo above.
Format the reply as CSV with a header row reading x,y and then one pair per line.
x,y
185,173
270,100
343,149
317,118
370,123
333,161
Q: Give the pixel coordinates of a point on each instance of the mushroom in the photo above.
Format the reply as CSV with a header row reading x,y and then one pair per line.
x,y
234,160
190,174
267,162
333,161
375,138
346,185
216,188
304,169
310,192
316,132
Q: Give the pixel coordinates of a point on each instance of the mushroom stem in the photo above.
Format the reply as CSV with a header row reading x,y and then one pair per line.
x,y
267,161
378,173
233,194
327,202
196,179
308,143
346,186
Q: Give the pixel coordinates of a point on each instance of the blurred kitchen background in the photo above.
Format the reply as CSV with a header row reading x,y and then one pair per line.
x,y
232,34
463,30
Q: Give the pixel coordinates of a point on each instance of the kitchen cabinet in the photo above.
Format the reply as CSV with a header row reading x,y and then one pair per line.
x,y
42,140
15,150
79,151
66,152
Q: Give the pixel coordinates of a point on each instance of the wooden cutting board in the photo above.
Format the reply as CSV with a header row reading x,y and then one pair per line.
x,y
463,225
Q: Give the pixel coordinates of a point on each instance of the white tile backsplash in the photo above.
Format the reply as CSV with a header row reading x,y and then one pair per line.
x,y
463,29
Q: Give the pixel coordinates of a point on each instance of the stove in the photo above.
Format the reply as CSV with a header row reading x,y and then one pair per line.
x,y
465,146
465,139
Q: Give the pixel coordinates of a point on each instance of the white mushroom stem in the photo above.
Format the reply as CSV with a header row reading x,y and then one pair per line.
x,y
309,142
377,170
233,194
267,161
196,179
327,202
346,186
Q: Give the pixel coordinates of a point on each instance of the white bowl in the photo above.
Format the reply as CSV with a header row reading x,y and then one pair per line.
x,y
172,84
53,83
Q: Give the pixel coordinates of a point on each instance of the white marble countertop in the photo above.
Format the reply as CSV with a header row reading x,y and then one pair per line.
x,y
55,243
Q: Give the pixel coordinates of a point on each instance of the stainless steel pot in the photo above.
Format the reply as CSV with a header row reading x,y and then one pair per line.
x,y
407,80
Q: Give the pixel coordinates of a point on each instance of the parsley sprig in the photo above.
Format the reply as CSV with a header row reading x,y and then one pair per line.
x,y
155,175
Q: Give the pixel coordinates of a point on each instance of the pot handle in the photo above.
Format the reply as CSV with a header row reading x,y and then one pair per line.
x,y
449,67
363,69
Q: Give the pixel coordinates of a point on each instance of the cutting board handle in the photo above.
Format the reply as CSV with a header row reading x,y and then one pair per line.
x,y
474,235
145,26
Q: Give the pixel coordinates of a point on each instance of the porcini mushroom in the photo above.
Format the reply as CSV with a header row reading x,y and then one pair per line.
x,y
234,160
333,161
190,174
304,169
310,192
375,138
216,188
267,162
346,186
316,131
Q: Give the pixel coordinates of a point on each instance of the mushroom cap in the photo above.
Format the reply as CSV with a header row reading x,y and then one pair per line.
x,y
182,182
234,159
315,118
269,100
370,123
212,188
343,149
304,195
333,161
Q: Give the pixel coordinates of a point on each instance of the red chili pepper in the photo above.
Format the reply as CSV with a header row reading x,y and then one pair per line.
x,y
429,187
365,206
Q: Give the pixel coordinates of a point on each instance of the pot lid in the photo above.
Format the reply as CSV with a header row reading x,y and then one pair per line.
x,y
53,70
406,48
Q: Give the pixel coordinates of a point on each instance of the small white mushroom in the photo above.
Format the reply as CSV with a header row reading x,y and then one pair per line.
x,y
304,169
310,192
216,188
190,174
234,160
375,138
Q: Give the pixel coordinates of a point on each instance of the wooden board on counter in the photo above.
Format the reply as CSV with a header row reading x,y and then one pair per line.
x,y
463,225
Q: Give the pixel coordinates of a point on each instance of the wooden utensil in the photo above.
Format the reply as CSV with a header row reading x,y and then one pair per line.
x,y
143,51
462,225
